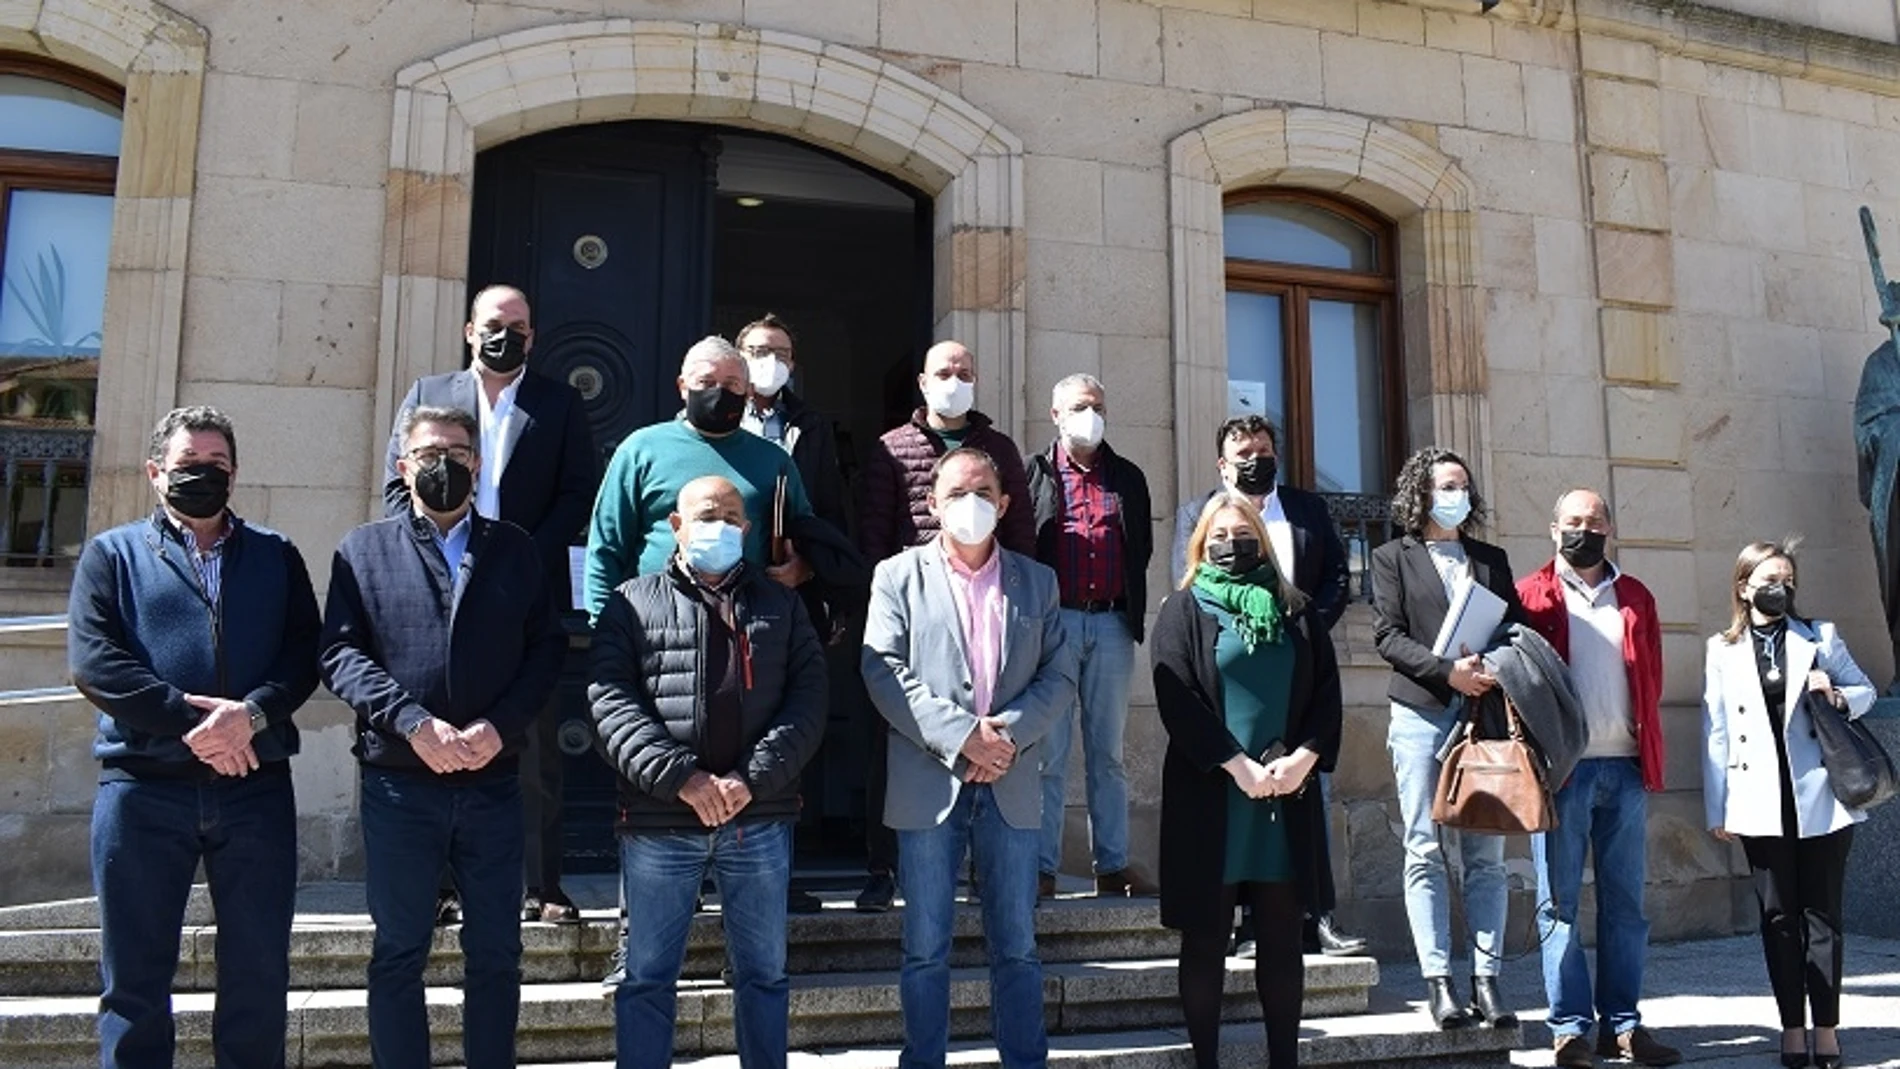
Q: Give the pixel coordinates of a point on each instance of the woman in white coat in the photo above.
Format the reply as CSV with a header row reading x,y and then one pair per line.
x,y
1763,784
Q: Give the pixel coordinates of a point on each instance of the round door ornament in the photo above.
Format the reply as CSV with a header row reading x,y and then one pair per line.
x,y
590,251
587,379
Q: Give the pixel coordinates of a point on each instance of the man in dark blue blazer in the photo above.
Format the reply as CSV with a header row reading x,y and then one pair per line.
x,y
539,472
1301,527
440,634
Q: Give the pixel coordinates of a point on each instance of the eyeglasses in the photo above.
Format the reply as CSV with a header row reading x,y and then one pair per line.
x,y
781,352
428,455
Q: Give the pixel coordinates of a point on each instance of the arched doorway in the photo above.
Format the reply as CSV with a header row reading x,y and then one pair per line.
x,y
634,239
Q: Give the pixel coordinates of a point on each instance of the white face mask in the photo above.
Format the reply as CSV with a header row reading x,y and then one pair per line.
x,y
1450,508
969,519
949,398
1083,429
768,373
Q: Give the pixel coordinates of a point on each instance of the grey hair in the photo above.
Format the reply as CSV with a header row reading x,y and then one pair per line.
x,y
711,348
1557,508
454,417
193,418
1081,380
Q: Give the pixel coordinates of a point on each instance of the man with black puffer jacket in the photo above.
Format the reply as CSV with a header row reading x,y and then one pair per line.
x,y
441,635
709,695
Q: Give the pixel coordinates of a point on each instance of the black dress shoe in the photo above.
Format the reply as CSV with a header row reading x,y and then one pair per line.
x,y
1334,943
880,891
1487,1005
1447,1009
797,901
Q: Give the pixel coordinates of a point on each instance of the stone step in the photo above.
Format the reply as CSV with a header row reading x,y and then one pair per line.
x,y
32,652
575,1020
331,951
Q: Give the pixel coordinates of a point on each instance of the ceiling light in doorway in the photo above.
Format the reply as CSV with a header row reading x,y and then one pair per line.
x,y
749,202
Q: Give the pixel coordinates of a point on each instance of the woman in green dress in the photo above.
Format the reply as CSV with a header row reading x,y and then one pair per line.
x,y
1248,691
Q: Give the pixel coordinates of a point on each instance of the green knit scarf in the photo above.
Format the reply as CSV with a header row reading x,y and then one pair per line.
x,y
1252,599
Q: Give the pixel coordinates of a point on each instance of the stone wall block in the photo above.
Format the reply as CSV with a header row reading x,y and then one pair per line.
x,y
72,773
230,329
1065,199
1535,45
318,432
1623,116
249,125
1128,41
1619,58
23,764
1653,504
1645,424
1635,267
1458,32
1494,95
328,335
1670,574
1507,250
983,31
1518,174
1432,90
1387,21
725,72
1221,54
1057,35
1631,192
158,147
1563,258
1134,207
1550,105
114,34
1640,347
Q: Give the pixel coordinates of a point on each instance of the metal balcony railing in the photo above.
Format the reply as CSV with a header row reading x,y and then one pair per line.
x,y
1364,522
43,478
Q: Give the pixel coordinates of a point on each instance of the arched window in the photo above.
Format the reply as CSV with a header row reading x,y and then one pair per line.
x,y
1313,335
59,148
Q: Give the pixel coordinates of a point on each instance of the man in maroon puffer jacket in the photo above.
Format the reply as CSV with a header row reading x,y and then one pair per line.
x,y
896,516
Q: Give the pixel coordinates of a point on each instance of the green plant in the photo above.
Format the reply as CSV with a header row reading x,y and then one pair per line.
x,y
43,298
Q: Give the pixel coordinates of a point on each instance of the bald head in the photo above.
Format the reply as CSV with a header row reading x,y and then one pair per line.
x,y
1581,501
952,357
711,497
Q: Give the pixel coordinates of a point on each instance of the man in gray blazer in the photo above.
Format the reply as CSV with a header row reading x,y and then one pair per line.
x,y
964,656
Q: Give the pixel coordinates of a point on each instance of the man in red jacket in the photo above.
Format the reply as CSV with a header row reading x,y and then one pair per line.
x,y
1603,624
896,516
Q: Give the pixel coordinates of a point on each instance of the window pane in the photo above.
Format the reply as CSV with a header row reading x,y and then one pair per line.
x,y
51,117
1256,357
1348,398
1292,233
52,305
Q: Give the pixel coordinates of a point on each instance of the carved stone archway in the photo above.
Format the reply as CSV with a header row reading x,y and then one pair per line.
x,y
1412,183
494,90
159,57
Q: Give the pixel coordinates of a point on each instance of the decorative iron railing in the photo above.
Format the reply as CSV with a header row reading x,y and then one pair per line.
x,y
43,477
1364,522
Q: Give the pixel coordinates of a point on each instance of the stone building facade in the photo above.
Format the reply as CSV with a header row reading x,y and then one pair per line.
x,y
1626,256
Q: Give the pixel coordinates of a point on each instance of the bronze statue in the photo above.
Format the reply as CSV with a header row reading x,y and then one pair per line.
x,y
1877,436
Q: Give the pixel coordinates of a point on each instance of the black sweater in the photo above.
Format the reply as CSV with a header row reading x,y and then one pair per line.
x,y
404,640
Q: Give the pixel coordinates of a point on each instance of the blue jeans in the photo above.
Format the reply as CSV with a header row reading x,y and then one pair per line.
x,y
1602,810
927,863
660,874
1413,740
147,839
1105,673
413,825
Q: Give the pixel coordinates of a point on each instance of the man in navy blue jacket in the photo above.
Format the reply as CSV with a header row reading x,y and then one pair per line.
x,y
440,633
194,634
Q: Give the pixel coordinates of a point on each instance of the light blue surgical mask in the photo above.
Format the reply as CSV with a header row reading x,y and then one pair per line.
x,y
713,546
1450,508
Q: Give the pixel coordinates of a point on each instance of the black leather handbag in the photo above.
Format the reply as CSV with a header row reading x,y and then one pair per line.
x,y
1858,768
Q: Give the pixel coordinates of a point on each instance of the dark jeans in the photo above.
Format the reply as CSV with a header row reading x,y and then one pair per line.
x,y
1798,884
413,824
147,839
542,767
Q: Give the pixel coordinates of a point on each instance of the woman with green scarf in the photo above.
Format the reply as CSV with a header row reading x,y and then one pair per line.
x,y
1248,691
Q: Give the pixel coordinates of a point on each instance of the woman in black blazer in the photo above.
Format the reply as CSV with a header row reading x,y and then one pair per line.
x,y
1240,668
1437,508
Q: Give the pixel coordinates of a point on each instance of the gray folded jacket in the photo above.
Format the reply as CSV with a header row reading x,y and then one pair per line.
x,y
1538,682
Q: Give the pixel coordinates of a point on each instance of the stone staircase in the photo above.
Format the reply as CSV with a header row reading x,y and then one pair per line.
x,y
1109,990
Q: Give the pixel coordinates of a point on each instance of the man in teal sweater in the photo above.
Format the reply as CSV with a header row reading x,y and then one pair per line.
x,y
630,536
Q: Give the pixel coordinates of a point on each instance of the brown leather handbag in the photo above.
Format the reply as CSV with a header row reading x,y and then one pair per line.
x,y
1493,785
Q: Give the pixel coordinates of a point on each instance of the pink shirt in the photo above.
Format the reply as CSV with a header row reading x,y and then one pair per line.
x,y
979,598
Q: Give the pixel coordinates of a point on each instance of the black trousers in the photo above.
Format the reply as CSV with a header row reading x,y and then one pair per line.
x,y
1798,884
541,782
1279,974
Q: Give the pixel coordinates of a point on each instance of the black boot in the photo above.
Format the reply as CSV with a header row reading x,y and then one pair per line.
x,y
1447,1010
1487,1005
1334,943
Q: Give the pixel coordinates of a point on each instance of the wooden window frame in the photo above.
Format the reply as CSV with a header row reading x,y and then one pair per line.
x,y
1299,284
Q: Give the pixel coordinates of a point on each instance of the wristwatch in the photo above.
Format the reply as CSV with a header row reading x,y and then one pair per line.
x,y
258,720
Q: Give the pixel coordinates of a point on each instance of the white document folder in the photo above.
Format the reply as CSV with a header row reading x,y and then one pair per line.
x,y
1475,615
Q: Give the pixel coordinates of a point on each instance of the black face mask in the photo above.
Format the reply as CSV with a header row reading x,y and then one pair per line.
x,y
444,485
504,350
714,409
1255,475
199,491
1235,556
1583,549
1773,600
